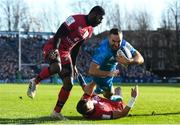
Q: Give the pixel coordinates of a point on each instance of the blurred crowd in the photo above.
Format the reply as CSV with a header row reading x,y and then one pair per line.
x,y
32,60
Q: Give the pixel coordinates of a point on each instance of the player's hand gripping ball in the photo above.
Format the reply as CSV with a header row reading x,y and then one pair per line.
x,y
123,56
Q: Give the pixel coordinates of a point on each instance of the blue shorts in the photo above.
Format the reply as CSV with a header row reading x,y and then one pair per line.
x,y
103,84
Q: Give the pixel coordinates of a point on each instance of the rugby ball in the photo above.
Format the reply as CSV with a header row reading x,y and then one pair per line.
x,y
124,51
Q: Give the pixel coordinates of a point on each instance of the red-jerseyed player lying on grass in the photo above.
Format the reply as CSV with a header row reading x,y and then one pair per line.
x,y
92,106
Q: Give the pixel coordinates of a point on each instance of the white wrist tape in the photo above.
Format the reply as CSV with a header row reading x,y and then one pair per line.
x,y
131,102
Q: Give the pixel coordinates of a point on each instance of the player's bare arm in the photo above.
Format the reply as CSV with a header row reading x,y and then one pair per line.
x,y
89,89
94,70
54,54
62,31
125,111
75,51
138,58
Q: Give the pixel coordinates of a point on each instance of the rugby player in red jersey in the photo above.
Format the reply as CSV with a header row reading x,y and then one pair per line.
x,y
95,107
61,52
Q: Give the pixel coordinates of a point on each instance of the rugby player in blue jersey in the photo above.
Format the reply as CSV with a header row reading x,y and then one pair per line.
x,y
104,62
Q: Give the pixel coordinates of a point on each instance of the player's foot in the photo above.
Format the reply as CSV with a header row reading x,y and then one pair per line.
x,y
31,92
58,116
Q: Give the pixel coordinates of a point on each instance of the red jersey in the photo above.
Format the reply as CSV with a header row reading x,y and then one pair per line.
x,y
103,107
79,30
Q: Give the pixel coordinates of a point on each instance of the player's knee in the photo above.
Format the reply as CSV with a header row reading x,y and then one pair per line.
x,y
55,68
107,95
68,86
59,67
68,83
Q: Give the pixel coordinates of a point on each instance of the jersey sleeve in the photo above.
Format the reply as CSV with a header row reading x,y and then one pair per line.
x,y
99,56
74,25
70,23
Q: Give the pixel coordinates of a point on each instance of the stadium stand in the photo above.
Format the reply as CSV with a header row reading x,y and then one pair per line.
x,y
32,60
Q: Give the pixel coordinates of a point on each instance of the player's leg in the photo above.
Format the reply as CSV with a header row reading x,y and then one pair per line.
x,y
80,78
111,93
108,91
98,90
48,71
53,58
107,86
45,73
67,77
99,84
88,89
55,67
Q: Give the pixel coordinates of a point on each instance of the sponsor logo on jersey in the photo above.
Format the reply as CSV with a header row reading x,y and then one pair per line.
x,y
70,20
104,116
69,40
76,39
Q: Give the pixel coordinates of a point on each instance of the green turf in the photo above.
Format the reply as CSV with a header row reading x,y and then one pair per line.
x,y
163,99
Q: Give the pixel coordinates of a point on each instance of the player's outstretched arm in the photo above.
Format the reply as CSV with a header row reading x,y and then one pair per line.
x,y
125,111
75,51
94,70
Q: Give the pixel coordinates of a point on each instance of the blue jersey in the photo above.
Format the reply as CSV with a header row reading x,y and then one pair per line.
x,y
105,57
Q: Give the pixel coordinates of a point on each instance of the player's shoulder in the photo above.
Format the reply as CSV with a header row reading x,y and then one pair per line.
x,y
123,42
103,46
78,16
126,46
76,19
104,43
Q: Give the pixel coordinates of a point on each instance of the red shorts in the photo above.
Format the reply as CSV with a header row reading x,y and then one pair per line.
x,y
64,55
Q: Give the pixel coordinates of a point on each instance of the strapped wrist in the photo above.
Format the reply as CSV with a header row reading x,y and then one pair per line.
x,y
131,102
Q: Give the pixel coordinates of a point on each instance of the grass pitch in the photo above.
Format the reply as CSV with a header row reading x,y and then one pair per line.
x,y
156,104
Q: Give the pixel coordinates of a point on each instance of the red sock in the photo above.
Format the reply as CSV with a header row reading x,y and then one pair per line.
x,y
62,98
42,75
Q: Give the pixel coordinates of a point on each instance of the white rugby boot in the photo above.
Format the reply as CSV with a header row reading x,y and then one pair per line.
x,y
31,92
57,116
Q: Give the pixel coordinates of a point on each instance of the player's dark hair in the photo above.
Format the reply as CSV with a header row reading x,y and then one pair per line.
x,y
114,31
98,9
82,107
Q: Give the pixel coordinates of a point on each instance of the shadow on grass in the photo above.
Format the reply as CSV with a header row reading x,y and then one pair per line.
x,y
36,120
155,114
45,119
